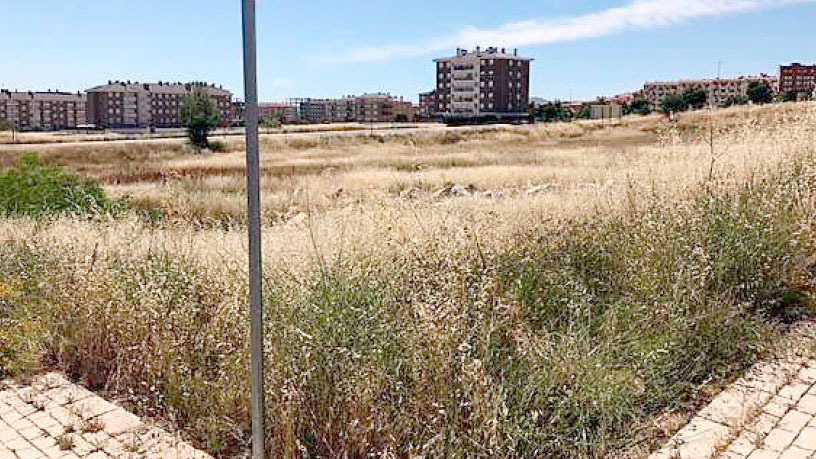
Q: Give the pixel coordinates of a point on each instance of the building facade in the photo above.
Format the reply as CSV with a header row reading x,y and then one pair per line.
x,y
797,79
43,110
137,105
367,108
718,92
276,110
489,83
427,104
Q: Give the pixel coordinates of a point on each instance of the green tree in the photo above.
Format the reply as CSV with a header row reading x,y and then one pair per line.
x,y
694,98
790,96
639,106
740,100
674,103
760,93
200,115
6,125
586,112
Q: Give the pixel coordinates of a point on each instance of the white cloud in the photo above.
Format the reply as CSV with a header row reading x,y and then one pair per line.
x,y
637,15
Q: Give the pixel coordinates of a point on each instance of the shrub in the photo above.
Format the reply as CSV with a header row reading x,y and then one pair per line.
x,y
37,190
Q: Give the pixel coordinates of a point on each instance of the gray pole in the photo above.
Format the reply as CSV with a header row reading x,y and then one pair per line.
x,y
254,225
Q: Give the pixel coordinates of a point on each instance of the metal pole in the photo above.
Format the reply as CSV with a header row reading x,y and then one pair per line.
x,y
254,226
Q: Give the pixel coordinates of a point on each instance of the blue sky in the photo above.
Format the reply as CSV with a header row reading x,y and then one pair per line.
x,y
328,48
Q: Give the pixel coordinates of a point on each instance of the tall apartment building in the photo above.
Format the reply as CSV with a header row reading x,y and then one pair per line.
x,y
718,91
129,105
797,78
489,83
43,110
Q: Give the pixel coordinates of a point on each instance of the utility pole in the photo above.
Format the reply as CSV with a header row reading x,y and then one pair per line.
x,y
719,69
254,227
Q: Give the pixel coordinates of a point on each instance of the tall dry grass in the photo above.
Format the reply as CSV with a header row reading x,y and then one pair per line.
x,y
559,322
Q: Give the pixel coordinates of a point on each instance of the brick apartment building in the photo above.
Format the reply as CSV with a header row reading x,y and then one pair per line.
x,y
130,105
367,108
269,111
718,91
43,110
427,104
797,79
483,83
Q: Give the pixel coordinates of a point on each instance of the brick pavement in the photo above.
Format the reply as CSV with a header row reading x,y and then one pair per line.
x,y
53,418
768,413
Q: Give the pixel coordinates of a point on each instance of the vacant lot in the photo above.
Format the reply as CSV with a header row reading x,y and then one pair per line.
x,y
565,290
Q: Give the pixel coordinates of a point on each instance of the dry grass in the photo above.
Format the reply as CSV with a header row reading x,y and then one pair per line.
x,y
407,321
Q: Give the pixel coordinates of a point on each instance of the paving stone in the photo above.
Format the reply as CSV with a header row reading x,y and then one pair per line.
x,y
795,420
806,439
28,453
795,453
808,375
43,443
778,406
700,438
735,405
794,391
119,422
779,439
763,454
34,418
807,404
743,445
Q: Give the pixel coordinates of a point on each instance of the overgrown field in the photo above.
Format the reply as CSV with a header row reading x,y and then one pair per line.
x,y
548,291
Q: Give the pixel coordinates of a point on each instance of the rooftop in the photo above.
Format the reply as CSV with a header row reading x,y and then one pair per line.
x,y
492,53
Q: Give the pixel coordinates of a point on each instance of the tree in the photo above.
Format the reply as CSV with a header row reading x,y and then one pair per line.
x,y
673,103
639,106
760,93
740,100
790,96
275,121
586,112
200,115
694,98
8,125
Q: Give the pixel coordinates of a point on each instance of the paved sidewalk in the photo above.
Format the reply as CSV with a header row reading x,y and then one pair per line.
x,y
53,418
768,413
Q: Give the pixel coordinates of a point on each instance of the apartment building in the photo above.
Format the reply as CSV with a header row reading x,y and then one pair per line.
x,y
797,78
483,83
43,110
427,104
367,108
129,105
718,91
273,110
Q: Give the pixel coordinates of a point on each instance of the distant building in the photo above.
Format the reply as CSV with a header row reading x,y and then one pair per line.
x,y
283,111
367,108
427,104
483,83
797,78
623,99
718,91
128,105
43,110
238,112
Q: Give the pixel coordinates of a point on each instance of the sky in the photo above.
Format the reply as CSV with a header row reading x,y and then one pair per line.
x,y
329,48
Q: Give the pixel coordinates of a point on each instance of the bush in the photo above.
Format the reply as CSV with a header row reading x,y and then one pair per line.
x,y
37,190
